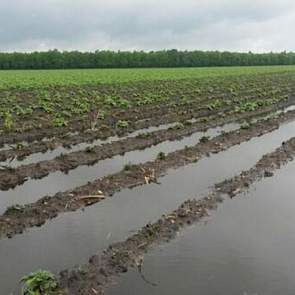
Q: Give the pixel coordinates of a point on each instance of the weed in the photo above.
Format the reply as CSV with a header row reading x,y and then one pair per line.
x,y
8,120
179,125
59,122
204,139
245,125
127,167
40,282
122,124
161,156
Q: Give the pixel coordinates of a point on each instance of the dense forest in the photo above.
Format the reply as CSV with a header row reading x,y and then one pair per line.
x,y
55,59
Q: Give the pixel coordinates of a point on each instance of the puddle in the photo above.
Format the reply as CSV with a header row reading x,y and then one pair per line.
x,y
5,147
32,190
72,238
273,114
246,247
289,109
51,154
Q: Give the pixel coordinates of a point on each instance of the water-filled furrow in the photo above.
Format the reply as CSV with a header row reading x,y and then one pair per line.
x,y
244,248
284,110
72,238
31,190
51,154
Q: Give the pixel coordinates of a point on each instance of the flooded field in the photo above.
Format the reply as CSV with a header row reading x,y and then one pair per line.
x,y
150,187
243,248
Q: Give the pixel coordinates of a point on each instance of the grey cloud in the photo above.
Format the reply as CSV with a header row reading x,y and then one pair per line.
x,y
149,25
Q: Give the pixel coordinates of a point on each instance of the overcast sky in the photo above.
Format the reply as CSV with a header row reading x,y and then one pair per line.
x,y
236,25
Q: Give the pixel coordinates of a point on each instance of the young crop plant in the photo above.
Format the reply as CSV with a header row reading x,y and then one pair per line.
x,y
116,101
216,104
127,167
161,156
122,124
59,121
40,282
8,120
179,125
245,125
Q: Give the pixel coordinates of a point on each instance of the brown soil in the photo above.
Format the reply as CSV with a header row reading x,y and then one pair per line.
x,y
94,276
103,133
15,220
11,177
40,126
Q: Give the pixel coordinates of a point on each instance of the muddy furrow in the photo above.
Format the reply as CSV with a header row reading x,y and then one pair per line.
x,y
160,116
41,151
11,177
106,128
47,150
58,181
94,276
138,118
139,113
18,218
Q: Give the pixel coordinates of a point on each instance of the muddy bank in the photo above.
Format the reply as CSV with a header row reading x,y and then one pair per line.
x,y
70,144
144,116
91,278
94,228
160,141
47,150
243,248
103,132
16,219
137,118
11,177
56,182
159,95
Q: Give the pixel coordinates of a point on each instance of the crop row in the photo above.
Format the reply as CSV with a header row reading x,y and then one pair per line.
x,y
104,105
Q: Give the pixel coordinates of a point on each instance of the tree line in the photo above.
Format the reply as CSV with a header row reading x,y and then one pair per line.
x,y
54,59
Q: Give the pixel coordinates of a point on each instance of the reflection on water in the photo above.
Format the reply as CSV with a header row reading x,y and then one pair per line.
x,y
72,238
246,247
32,190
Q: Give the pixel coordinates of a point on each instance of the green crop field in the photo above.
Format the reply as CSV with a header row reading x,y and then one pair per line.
x,y
133,127
41,78
60,98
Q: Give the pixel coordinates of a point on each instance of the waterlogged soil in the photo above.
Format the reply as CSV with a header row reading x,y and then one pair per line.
x,y
245,248
42,151
137,118
34,189
9,177
79,235
49,148
119,257
170,96
160,141
17,219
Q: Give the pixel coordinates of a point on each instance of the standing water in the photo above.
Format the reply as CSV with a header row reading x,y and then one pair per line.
x,y
246,247
72,238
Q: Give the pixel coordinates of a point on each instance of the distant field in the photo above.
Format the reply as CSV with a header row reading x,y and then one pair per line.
x,y
40,78
71,139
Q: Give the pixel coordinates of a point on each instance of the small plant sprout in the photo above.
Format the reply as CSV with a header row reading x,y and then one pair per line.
x,y
122,124
179,125
245,125
59,122
41,282
204,139
161,156
8,120
127,167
